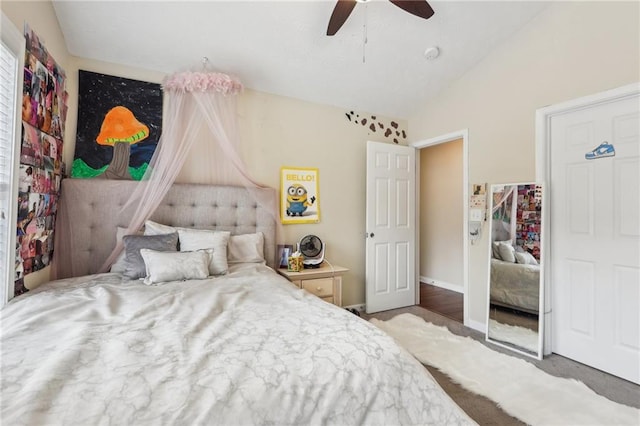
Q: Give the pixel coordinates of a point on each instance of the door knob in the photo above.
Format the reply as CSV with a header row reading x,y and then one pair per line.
x,y
372,235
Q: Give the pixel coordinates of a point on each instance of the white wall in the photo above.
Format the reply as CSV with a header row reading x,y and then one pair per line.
x,y
441,214
570,50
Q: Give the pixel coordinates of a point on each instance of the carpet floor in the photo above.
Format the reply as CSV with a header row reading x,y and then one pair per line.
x,y
485,411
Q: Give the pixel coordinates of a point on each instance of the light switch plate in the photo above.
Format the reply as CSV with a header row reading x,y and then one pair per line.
x,y
475,215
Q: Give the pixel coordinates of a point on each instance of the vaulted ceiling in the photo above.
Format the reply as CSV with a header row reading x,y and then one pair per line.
x,y
375,63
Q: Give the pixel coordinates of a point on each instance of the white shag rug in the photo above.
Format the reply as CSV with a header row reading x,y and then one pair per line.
x,y
517,386
518,336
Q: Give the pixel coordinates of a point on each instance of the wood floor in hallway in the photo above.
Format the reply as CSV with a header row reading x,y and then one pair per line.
x,y
445,302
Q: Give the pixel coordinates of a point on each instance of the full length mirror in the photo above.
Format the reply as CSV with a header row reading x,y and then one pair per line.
x,y
515,278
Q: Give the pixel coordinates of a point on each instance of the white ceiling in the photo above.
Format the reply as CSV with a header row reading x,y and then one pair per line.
x,y
280,47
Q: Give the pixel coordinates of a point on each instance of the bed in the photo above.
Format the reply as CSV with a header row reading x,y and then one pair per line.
x,y
244,347
515,285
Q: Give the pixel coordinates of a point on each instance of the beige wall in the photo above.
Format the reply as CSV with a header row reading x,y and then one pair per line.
x,y
275,132
278,131
571,49
441,214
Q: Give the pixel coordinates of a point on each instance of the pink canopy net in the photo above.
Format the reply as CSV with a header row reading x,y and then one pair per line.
x,y
200,124
504,213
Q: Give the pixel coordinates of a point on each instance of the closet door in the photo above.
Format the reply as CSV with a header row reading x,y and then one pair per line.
x,y
595,240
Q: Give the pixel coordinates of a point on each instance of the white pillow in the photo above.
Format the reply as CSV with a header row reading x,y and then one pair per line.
x,y
201,239
119,265
246,248
154,228
507,252
197,239
162,266
526,258
494,248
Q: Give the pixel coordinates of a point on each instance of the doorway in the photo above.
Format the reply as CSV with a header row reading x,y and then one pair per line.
x,y
442,250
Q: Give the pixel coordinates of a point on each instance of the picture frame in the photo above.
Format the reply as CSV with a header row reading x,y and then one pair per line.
x,y
282,255
136,103
299,195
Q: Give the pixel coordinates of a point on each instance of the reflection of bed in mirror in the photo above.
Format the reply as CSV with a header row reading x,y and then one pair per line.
x,y
515,286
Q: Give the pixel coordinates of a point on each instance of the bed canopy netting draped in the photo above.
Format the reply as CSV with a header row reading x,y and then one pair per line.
x,y
503,210
200,122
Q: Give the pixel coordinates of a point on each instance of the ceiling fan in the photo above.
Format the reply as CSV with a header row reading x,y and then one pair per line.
x,y
344,8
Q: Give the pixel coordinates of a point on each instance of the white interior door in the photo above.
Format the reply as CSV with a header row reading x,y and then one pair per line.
x,y
390,226
595,236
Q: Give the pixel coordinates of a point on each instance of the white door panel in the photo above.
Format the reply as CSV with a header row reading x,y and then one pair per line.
x,y
627,218
390,225
595,237
627,294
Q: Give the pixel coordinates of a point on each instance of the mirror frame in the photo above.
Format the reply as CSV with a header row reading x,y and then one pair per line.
x,y
541,314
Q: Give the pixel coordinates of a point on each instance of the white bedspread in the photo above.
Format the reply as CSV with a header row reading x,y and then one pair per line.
x,y
247,348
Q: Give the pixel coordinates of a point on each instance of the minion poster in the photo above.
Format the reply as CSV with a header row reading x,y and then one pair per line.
x,y
299,195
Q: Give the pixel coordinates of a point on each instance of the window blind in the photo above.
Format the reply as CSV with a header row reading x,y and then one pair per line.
x,y
8,116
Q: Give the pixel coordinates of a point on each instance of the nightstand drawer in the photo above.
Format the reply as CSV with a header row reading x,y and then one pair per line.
x,y
328,299
321,287
324,282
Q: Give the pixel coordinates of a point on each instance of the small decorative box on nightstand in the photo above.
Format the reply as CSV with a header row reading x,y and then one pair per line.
x,y
325,281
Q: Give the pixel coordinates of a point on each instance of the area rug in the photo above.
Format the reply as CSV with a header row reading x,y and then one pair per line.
x,y
518,336
517,386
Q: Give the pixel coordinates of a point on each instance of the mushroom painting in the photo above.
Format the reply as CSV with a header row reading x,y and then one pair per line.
x,y
119,126
120,129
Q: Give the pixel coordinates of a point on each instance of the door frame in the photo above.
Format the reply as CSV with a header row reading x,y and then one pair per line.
x,y
543,174
449,137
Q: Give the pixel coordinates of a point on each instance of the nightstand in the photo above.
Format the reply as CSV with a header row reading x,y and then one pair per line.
x,y
325,281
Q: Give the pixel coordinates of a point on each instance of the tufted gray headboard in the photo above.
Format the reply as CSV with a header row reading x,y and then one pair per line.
x,y
94,208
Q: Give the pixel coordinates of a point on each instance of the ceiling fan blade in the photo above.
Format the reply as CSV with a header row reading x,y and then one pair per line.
x,y
340,14
418,8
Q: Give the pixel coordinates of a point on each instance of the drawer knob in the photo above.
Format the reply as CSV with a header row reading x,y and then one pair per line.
x,y
319,288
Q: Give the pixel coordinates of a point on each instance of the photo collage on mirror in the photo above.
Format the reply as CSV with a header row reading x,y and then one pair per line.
x,y
528,220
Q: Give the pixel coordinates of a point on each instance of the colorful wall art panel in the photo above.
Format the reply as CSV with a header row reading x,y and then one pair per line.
x,y
44,110
119,125
529,218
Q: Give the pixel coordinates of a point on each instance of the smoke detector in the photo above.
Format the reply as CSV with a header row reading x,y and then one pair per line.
x,y
432,53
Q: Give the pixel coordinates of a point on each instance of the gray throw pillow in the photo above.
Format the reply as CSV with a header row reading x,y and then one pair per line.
x,y
134,243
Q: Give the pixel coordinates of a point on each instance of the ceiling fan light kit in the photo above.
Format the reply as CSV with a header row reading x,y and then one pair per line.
x,y
343,9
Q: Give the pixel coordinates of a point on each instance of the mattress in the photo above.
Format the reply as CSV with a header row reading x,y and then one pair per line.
x,y
244,348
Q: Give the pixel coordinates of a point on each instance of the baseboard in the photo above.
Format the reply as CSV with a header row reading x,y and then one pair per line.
x,y
442,284
359,307
476,325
